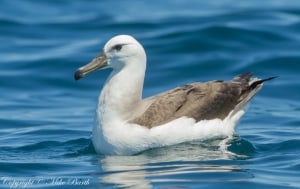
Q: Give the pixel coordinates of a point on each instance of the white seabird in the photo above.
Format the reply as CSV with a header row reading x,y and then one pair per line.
x,y
127,124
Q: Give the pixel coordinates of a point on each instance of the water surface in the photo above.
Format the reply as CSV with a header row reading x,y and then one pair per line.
x,y
47,117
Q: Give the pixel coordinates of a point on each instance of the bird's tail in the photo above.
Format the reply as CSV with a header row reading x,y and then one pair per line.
x,y
252,86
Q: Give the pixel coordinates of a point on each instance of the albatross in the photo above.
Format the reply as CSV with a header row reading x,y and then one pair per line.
x,y
126,124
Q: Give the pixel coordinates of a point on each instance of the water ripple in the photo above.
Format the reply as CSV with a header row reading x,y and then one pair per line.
x,y
46,117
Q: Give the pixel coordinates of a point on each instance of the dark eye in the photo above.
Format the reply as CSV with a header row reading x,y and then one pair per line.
x,y
118,47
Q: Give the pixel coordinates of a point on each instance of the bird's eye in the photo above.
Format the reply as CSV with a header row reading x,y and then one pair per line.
x,y
118,47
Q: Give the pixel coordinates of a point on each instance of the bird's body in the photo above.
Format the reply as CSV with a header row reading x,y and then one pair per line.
x,y
127,124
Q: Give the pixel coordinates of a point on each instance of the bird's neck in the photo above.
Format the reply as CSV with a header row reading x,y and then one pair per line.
x,y
121,93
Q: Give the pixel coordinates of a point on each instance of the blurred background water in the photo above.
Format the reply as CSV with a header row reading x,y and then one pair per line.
x,y
46,117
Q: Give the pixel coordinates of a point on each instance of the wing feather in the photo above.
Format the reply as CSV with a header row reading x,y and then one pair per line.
x,y
201,101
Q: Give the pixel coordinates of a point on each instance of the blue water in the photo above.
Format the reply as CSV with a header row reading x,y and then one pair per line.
x,y
46,117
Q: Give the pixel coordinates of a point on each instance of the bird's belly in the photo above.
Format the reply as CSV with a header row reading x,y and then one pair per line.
x,y
127,139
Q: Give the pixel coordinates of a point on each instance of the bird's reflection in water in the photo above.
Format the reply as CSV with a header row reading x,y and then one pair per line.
x,y
189,162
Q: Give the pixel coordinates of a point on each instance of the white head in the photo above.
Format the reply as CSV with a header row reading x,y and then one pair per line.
x,y
119,52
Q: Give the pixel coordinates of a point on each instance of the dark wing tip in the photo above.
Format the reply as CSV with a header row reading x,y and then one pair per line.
x,y
254,84
246,77
270,78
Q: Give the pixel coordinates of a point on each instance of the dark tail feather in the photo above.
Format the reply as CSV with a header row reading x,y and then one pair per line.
x,y
244,78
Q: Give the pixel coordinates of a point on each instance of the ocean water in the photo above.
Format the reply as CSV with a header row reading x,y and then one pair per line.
x,y
46,117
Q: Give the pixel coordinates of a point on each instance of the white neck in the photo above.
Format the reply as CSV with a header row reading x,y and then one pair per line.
x,y
122,92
